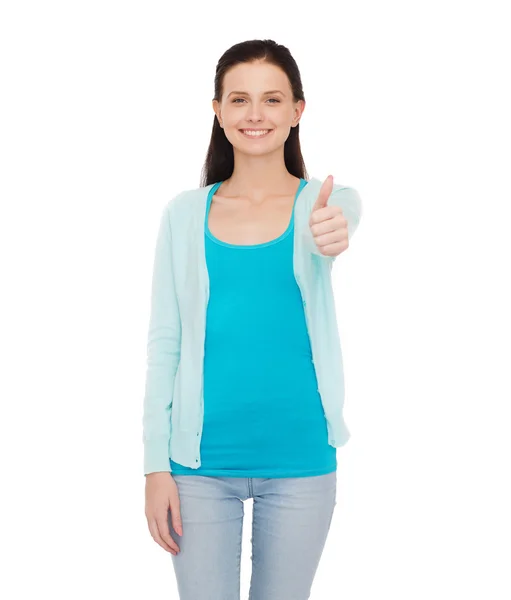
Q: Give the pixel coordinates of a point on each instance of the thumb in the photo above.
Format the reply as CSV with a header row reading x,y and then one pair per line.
x,y
324,193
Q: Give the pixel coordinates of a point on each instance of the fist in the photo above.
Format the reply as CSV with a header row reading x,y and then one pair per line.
x,y
327,223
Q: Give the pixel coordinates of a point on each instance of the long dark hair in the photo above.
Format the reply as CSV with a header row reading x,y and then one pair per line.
x,y
219,163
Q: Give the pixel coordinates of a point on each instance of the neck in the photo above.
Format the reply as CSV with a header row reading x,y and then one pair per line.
x,y
258,177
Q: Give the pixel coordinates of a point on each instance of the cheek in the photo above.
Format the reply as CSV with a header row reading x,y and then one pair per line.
x,y
281,119
230,119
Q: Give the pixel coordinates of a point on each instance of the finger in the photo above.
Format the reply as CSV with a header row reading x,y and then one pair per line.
x,y
335,241
176,520
163,529
324,220
333,249
324,193
153,528
155,533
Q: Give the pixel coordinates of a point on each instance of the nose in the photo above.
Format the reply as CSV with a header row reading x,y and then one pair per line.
x,y
254,113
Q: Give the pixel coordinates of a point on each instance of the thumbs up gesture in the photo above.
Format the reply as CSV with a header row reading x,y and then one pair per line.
x,y
327,223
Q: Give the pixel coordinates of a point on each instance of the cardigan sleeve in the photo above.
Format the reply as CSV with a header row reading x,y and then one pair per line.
x,y
348,199
163,353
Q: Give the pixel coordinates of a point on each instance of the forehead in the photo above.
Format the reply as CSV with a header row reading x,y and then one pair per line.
x,y
255,78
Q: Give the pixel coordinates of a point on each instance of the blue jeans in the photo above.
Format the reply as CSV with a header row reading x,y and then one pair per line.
x,y
291,520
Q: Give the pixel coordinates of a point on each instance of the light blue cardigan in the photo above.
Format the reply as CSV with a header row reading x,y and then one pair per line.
x,y
173,402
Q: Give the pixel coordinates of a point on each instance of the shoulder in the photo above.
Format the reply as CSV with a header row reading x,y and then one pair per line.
x,y
185,202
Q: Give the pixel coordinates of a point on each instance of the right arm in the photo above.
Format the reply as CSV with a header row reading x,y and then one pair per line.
x,y
163,353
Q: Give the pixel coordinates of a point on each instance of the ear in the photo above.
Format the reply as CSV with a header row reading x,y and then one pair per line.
x,y
216,108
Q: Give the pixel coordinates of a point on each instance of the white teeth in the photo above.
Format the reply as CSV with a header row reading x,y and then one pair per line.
x,y
253,133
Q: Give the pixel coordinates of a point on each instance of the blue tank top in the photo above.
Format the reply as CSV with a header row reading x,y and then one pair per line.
x,y
263,415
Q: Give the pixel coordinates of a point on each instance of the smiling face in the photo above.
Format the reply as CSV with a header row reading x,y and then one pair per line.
x,y
257,96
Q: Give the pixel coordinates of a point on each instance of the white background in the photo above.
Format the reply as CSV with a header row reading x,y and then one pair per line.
x,y
105,115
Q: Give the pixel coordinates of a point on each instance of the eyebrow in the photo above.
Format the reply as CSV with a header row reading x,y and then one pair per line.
x,y
269,92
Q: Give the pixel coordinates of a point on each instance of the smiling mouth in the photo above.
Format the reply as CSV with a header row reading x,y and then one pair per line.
x,y
256,136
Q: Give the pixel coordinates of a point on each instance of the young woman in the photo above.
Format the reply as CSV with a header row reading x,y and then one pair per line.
x,y
244,389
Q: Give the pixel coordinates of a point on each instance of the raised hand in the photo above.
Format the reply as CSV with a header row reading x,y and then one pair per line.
x,y
327,223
